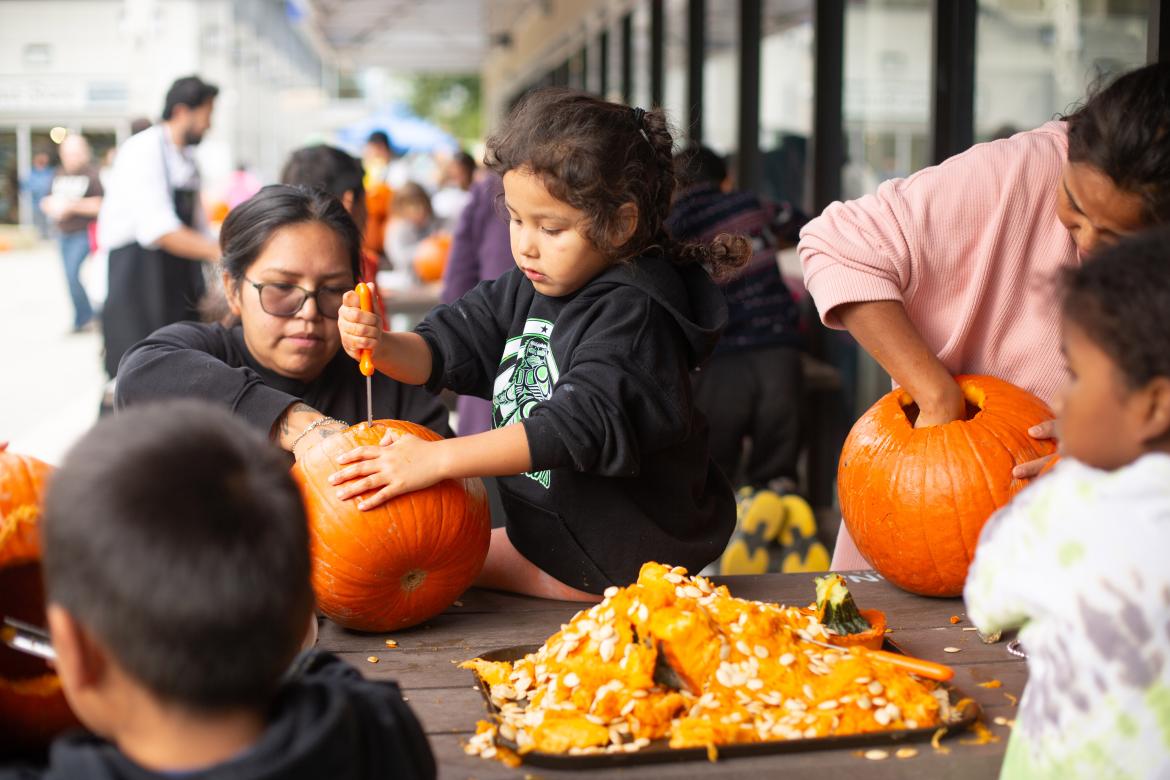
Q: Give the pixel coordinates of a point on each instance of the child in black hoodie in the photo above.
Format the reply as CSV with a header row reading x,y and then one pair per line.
x,y
176,568
585,350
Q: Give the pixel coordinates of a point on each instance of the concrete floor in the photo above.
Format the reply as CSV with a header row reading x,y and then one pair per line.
x,y
51,380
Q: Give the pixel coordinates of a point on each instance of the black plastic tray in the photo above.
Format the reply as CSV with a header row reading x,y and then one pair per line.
x,y
660,752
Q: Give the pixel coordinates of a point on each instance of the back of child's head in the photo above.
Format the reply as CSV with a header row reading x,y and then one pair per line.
x,y
411,196
175,534
597,156
1119,299
327,168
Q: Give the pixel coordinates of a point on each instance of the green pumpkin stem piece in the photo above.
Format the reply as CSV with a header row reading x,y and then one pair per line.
x,y
835,607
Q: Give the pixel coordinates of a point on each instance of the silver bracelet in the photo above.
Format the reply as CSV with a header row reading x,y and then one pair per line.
x,y
311,426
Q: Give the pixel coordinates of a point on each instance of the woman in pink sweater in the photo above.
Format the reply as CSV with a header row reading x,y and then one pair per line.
x,y
952,270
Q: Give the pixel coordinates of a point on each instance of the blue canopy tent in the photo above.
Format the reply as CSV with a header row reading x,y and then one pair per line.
x,y
408,133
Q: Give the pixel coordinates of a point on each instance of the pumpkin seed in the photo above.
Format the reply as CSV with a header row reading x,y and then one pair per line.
x,y
877,755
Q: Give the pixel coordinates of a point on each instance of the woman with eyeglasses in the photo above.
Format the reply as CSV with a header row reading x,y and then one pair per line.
x,y
289,254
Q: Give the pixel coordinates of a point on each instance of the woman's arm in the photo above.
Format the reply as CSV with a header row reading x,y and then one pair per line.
x,y
288,432
885,331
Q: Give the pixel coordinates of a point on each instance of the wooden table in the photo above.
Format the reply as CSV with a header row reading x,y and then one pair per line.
x,y
443,696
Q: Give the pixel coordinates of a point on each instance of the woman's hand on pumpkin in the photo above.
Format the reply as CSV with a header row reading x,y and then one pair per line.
x,y
360,330
1029,469
401,463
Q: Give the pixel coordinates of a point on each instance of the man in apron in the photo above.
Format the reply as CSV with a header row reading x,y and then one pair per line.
x,y
152,223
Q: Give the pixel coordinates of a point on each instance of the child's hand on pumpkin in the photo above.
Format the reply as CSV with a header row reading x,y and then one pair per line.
x,y
399,464
359,329
1029,469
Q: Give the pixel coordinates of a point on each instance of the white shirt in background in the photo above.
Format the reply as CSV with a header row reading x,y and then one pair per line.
x,y
139,205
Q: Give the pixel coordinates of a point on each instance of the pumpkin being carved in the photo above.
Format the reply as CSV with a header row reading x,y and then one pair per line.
x,y
915,500
405,561
32,707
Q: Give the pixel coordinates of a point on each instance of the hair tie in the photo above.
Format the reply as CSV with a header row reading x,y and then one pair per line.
x,y
639,116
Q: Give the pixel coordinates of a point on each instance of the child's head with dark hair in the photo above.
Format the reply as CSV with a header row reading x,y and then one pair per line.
x,y
1117,179
610,164
697,164
176,563
1115,405
328,168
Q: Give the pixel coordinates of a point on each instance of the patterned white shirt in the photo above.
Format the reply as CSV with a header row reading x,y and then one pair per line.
x,y
1078,562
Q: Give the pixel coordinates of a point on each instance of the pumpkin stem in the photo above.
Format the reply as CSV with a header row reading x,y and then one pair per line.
x,y
412,579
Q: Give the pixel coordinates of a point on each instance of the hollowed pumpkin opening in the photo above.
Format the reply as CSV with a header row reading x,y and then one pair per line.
x,y
973,397
22,596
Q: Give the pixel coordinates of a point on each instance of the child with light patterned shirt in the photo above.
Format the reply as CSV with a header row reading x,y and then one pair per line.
x,y
1078,561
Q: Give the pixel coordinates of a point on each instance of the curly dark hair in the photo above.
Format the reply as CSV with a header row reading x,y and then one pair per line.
x,y
1119,297
1124,132
597,156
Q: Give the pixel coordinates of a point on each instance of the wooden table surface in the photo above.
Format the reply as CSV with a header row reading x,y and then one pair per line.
x,y
445,700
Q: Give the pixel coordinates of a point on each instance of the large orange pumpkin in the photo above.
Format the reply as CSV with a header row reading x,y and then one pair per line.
x,y
430,258
32,707
915,500
401,563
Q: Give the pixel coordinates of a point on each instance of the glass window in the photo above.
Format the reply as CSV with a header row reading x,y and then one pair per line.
x,y
1035,60
786,100
721,77
9,179
674,55
887,92
640,94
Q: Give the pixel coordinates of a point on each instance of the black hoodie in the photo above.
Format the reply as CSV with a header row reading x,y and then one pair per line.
x,y
326,724
621,472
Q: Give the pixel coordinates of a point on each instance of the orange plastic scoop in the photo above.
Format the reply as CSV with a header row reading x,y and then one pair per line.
x,y
919,666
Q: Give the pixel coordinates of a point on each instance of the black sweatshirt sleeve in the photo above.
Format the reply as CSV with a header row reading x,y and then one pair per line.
x,y
467,337
187,360
626,392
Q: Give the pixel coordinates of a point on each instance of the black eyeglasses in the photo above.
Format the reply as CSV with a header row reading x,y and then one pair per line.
x,y
281,299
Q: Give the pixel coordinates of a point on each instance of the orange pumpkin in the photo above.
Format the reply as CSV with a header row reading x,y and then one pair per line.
x,y
405,561
430,258
32,707
915,500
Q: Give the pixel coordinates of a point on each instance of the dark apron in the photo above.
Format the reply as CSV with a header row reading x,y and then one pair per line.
x,y
150,288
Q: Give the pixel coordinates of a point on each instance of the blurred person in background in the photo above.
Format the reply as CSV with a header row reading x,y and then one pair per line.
x,y
752,387
335,171
480,251
153,224
242,184
73,202
412,219
454,189
376,158
37,185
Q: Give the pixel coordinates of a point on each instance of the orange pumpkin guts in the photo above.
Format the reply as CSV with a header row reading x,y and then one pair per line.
x,y
405,561
32,707
915,500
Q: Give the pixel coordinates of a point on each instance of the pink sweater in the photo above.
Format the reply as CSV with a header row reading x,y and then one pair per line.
x,y
972,248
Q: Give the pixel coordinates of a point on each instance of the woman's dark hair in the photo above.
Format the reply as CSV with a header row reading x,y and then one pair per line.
x,y
1124,132
597,156
331,169
175,533
251,224
1120,297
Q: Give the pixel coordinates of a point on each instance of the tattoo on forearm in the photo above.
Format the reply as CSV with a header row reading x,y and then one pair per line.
x,y
299,406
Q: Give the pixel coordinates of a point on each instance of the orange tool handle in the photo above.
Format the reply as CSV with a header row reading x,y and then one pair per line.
x,y
367,303
919,666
